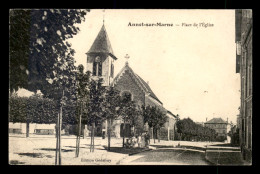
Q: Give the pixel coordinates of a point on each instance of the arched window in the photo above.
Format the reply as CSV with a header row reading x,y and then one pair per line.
x,y
97,67
100,69
94,68
126,96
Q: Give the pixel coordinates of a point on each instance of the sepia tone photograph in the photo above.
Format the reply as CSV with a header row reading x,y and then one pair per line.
x,y
130,87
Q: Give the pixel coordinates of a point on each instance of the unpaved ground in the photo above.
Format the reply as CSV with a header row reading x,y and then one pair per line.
x,y
40,150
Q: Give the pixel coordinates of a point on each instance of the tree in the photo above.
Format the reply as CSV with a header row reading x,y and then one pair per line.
x,y
127,111
37,41
112,109
95,109
82,86
19,42
46,59
154,117
34,109
190,130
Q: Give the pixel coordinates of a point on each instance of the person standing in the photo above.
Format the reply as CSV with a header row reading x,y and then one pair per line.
x,y
148,139
139,140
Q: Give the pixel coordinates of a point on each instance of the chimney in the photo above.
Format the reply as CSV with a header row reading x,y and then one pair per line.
x,y
147,82
206,119
227,119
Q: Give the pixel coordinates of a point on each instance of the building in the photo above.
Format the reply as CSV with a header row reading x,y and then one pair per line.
x,y
39,129
169,126
244,67
219,125
100,62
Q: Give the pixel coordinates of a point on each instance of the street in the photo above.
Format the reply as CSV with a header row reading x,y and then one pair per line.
x,y
168,156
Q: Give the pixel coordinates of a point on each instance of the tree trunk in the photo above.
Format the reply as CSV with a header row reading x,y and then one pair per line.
x,y
158,135
83,131
93,147
57,140
91,139
109,133
79,132
124,134
154,130
60,123
27,128
152,133
58,143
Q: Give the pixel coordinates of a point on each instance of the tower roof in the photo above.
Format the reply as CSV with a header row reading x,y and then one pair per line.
x,y
102,44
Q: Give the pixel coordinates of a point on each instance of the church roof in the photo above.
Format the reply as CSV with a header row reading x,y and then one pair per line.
x,y
216,120
148,88
139,80
102,44
169,112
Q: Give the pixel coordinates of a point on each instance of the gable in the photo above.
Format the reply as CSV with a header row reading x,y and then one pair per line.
x,y
126,82
139,81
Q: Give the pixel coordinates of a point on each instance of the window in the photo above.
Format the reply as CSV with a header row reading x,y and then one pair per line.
x,y
126,96
97,67
100,69
94,68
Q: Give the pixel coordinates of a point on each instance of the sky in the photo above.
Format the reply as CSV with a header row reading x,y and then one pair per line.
x,y
190,69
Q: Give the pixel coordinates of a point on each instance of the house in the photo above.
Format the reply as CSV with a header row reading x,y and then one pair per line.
x,y
219,125
244,65
39,129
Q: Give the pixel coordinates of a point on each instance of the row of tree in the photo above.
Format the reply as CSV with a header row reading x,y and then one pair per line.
x,y
189,130
42,59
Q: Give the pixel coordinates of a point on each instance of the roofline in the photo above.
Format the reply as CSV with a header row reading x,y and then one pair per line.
x,y
159,102
171,113
110,54
140,80
146,91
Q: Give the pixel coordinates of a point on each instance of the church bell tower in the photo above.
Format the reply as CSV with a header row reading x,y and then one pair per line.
x,y
100,58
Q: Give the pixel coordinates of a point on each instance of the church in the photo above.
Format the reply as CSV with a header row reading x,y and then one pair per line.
x,y
100,62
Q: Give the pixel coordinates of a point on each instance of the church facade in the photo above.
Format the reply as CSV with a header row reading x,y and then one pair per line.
x,y
100,62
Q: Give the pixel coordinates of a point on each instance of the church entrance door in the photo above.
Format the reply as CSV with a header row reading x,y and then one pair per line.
x,y
127,130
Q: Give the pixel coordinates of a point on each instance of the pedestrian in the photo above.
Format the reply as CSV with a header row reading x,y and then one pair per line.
x,y
143,140
148,138
133,141
139,140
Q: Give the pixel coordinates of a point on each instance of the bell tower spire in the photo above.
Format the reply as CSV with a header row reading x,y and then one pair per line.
x,y
100,57
104,17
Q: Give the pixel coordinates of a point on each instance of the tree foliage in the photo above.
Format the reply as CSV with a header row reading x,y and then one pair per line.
x,y
38,46
96,99
37,109
190,130
154,116
82,92
111,103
